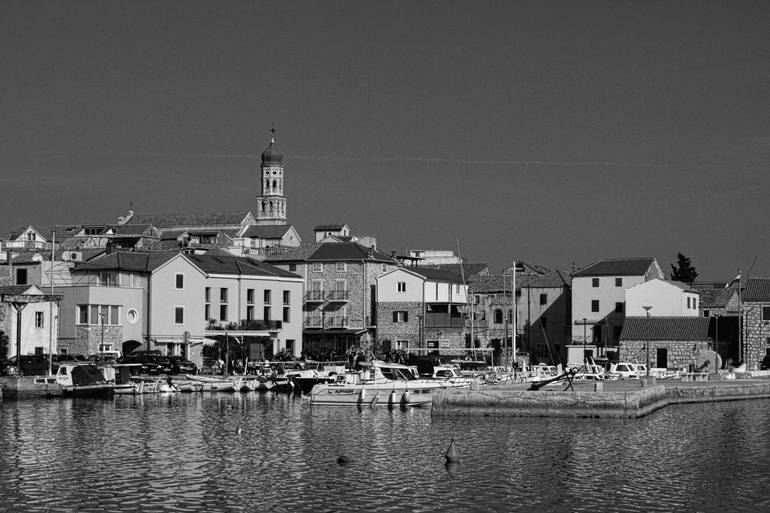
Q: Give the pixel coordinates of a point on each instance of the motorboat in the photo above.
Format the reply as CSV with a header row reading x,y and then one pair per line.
x,y
378,383
450,377
79,379
589,372
214,384
307,378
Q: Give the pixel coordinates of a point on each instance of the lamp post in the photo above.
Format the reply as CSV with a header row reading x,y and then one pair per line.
x,y
716,339
101,345
585,338
647,309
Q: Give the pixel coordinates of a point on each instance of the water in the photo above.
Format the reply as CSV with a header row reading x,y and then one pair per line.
x,y
185,453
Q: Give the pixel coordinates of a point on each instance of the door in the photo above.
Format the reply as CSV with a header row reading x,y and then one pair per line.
x,y
662,360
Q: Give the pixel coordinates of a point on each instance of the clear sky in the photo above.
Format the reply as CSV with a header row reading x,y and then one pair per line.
x,y
553,132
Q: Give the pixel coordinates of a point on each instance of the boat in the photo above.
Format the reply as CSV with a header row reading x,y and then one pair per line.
x,y
212,384
190,387
450,377
79,379
307,378
378,383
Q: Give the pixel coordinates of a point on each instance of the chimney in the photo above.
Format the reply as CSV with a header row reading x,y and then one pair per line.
x,y
371,251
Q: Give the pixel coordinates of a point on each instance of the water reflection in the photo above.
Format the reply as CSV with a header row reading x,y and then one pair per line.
x,y
185,453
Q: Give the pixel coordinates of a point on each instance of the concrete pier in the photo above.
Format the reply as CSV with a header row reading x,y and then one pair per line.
x,y
626,400
13,388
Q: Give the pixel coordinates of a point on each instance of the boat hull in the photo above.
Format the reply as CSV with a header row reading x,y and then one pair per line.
x,y
355,395
94,391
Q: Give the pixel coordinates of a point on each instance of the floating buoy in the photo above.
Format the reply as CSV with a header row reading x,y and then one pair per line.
x,y
452,456
343,459
238,430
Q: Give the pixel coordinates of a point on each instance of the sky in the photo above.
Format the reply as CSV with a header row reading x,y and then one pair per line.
x,y
556,132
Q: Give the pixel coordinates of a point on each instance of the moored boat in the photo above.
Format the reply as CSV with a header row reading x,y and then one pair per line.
x,y
379,383
212,384
78,379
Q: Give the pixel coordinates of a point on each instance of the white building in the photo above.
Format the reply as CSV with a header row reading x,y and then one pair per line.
x,y
667,299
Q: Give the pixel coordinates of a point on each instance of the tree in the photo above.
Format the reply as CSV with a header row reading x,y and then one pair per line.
x,y
683,270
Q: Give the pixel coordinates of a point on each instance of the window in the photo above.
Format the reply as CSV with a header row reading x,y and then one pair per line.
x,y
267,313
223,295
207,295
339,267
21,276
179,315
619,307
132,316
385,268
267,297
250,296
286,317
688,302
82,314
543,299
317,268
39,319
518,293
766,313
498,316
618,282
290,345
250,313
457,288
114,314
400,316
694,303
594,282
179,281
594,305
286,297
292,267
706,313
402,286
207,304
222,312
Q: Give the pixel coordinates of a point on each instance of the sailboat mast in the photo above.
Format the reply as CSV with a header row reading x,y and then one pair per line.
x,y
514,313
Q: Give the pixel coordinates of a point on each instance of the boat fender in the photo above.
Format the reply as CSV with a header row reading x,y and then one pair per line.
x,y
362,397
406,397
392,398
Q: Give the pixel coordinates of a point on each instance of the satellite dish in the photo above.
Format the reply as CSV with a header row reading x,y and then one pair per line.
x,y
708,361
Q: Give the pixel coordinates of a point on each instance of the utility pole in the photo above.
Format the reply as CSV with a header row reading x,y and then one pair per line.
x,y
647,309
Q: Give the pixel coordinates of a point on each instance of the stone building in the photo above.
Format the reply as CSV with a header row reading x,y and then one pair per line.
x,y
422,311
756,318
721,305
668,342
339,305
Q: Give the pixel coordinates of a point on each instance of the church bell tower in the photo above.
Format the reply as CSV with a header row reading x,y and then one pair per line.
x,y
271,203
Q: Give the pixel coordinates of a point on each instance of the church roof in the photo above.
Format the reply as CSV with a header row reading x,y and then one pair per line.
x,y
267,231
190,219
272,155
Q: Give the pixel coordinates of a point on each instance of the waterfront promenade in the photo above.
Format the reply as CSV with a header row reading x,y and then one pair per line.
x,y
612,399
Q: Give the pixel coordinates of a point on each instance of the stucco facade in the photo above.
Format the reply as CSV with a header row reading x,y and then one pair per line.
x,y
667,298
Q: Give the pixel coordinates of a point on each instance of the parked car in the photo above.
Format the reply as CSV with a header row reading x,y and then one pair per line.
x,y
164,362
147,365
182,366
104,356
31,364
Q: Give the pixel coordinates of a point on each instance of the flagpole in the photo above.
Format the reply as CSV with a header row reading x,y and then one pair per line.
x,y
740,318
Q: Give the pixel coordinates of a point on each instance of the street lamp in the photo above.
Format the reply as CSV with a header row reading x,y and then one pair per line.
x,y
648,308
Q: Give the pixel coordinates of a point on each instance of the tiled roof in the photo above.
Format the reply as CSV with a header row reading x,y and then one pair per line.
x,y
716,298
666,328
436,274
322,227
218,264
298,254
347,251
529,267
617,267
757,290
468,270
126,261
14,290
268,231
130,229
553,279
182,219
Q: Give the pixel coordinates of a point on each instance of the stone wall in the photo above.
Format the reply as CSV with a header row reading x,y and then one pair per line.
x,y
681,354
89,337
392,331
756,335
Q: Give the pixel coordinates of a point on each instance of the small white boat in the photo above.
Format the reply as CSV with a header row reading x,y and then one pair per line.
x,y
450,377
379,383
83,380
212,384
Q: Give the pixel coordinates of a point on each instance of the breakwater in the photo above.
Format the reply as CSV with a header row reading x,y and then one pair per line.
x,y
628,403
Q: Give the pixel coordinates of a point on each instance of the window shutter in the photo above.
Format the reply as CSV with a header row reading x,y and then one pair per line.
x,y
395,316
406,316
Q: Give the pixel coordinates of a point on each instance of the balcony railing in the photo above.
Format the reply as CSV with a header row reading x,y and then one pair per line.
x,y
444,321
316,296
338,296
245,325
313,322
337,322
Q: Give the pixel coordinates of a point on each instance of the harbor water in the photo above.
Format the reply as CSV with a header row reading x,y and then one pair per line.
x,y
253,452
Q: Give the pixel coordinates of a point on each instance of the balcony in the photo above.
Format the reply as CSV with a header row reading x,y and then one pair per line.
x,y
314,296
338,296
314,322
337,322
245,325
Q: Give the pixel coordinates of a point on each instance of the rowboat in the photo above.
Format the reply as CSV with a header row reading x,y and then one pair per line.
x,y
212,384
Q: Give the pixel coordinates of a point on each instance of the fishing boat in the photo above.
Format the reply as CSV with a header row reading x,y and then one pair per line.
x,y
450,377
212,384
378,383
78,379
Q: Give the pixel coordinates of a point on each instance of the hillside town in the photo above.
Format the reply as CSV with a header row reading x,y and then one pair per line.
x,y
174,283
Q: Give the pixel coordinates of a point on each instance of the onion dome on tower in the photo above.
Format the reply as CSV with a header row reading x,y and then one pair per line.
x,y
272,155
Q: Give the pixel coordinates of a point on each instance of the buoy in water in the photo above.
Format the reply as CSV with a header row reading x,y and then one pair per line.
x,y
452,456
238,430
